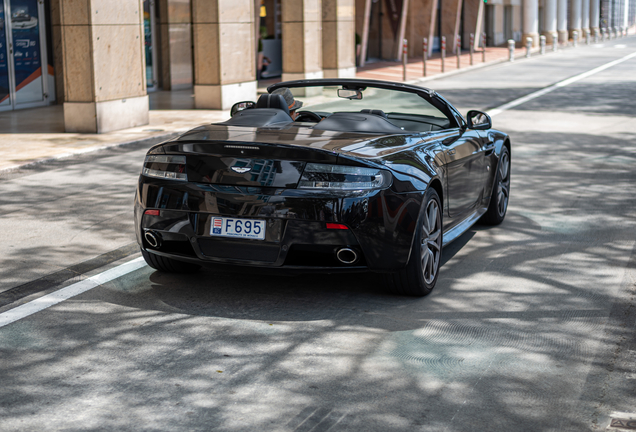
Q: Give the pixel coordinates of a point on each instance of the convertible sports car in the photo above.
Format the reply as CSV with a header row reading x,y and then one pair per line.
x,y
372,176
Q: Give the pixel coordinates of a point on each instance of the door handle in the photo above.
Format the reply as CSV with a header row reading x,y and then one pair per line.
x,y
450,152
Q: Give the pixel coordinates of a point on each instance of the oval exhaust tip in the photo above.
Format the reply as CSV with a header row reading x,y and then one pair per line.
x,y
152,239
347,255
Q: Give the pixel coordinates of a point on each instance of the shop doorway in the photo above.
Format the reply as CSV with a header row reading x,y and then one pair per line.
x,y
150,44
26,78
269,55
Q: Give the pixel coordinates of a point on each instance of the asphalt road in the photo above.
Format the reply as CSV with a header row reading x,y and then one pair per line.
x,y
530,328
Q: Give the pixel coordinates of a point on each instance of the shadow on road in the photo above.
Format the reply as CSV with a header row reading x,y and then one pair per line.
x,y
524,330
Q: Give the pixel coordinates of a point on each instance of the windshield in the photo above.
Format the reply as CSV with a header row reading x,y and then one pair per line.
x,y
407,111
389,101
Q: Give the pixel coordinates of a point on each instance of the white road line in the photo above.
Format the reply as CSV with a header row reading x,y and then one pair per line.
x,y
59,296
566,82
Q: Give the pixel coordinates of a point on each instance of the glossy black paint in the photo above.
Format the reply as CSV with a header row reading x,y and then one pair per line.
x,y
460,163
381,222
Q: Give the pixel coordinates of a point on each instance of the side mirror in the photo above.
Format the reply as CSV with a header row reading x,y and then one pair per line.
x,y
241,106
478,120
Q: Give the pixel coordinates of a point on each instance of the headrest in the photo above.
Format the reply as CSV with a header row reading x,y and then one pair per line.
x,y
375,111
272,101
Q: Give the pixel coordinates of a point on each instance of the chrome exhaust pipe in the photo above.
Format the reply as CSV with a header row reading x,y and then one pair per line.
x,y
153,239
347,255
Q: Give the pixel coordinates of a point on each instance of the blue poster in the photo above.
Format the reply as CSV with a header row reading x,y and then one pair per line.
x,y
25,30
4,60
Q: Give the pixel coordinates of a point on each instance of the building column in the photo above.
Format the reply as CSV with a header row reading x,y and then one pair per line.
x,y
102,52
338,39
451,18
495,29
302,39
420,24
175,28
517,22
550,20
595,15
470,17
224,57
585,17
562,20
530,21
575,17
478,19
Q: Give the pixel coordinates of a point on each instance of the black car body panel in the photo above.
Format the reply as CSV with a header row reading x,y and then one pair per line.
x,y
459,163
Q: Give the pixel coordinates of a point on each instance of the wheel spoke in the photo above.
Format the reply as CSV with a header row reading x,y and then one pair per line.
x,y
432,218
431,269
504,188
503,167
502,202
434,236
503,205
425,257
425,226
436,262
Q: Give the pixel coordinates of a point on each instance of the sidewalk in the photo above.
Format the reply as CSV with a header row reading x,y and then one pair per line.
x,y
393,71
36,135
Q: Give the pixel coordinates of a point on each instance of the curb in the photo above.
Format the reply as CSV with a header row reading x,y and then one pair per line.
x,y
156,139
520,56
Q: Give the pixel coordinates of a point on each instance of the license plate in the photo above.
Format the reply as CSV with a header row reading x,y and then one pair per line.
x,y
242,228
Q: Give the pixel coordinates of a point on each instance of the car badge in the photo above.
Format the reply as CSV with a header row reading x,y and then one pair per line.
x,y
241,170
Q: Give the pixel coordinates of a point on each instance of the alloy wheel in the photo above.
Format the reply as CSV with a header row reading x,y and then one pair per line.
x,y
431,247
503,186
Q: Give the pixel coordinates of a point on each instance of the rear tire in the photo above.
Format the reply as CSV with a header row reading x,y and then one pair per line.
x,y
419,276
500,192
168,265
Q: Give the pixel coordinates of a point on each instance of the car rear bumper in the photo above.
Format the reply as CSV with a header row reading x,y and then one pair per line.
x,y
381,226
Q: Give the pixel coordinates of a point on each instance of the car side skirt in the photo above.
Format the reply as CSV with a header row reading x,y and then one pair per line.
x,y
457,230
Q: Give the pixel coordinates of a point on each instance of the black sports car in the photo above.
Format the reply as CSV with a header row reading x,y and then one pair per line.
x,y
372,176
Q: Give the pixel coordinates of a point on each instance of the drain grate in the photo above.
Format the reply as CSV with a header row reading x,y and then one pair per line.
x,y
622,422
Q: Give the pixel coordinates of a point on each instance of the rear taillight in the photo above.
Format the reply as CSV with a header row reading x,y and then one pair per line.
x,y
165,167
338,226
343,177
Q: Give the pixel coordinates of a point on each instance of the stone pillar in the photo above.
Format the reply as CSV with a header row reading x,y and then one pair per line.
x,y
420,24
338,39
302,39
595,16
176,44
585,18
550,20
224,57
575,17
451,15
562,20
473,23
517,25
101,48
496,24
530,21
